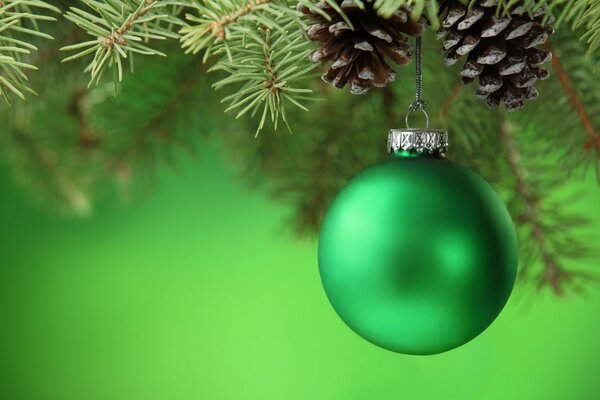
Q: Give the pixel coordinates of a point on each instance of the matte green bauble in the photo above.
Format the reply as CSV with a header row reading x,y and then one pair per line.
x,y
418,254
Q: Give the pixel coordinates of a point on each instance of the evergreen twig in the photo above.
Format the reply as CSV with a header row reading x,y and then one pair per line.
x,y
18,23
121,29
54,174
270,67
575,99
531,215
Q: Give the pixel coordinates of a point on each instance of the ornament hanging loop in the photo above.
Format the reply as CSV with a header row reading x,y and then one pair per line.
x,y
418,105
420,140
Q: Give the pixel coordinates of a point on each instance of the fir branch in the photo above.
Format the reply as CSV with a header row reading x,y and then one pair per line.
x,y
584,14
39,142
590,20
319,197
154,126
98,140
211,29
536,224
121,30
140,132
217,22
576,102
262,46
18,24
54,174
214,22
567,115
531,214
271,65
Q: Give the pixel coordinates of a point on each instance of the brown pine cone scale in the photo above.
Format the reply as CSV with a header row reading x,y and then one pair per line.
x,y
359,53
501,52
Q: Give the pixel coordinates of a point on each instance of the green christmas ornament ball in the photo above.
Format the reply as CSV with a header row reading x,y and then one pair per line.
x,y
418,254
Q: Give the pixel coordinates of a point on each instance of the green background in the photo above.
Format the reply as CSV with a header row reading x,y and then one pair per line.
x,y
198,291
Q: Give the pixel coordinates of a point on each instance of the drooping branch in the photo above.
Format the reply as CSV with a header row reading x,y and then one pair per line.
x,y
274,67
154,127
55,174
575,100
19,25
120,30
553,274
212,26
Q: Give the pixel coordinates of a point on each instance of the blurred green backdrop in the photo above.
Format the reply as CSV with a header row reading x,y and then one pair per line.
x,y
195,291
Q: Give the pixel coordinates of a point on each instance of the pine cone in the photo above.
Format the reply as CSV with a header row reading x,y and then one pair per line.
x,y
359,54
501,51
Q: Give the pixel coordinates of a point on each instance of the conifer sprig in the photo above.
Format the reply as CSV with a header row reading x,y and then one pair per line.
x,y
270,66
18,22
120,29
590,21
262,47
215,23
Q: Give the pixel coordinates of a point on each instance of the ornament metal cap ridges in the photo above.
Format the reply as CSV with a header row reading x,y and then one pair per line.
x,y
421,140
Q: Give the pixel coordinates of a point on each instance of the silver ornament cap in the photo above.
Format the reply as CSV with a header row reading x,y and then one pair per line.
x,y
421,140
